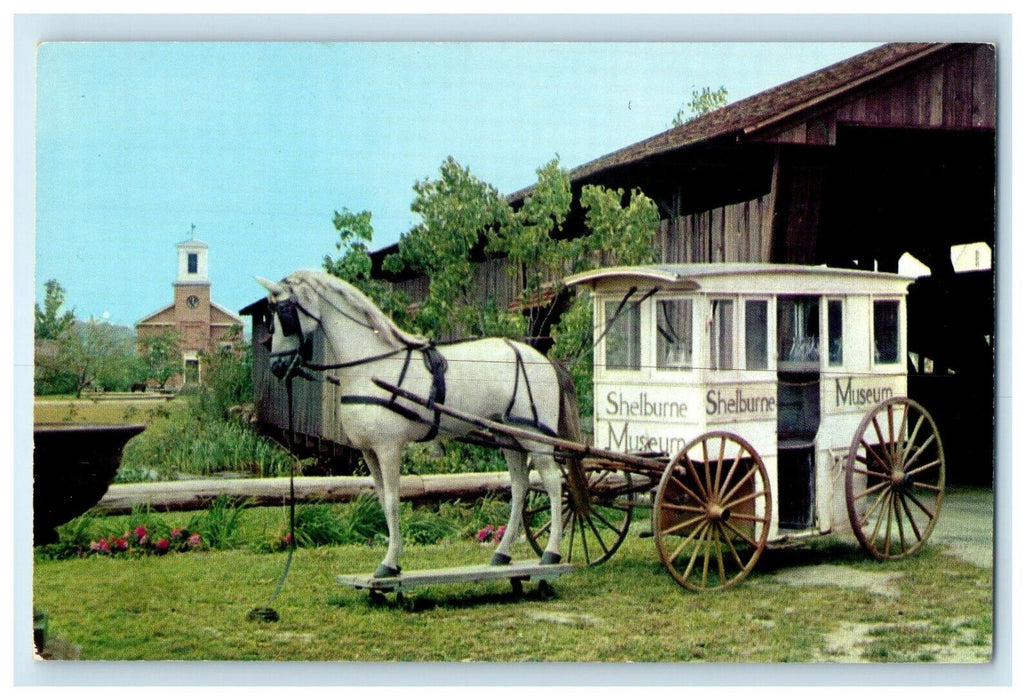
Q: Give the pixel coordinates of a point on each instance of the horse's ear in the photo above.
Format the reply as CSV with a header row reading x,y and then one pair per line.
x,y
273,287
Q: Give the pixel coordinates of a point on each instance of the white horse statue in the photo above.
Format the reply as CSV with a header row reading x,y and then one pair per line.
x,y
492,378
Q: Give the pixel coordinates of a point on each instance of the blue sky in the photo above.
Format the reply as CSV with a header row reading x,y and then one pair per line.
x,y
257,144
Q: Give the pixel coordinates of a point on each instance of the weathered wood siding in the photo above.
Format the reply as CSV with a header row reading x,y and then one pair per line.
x,y
315,403
739,232
958,92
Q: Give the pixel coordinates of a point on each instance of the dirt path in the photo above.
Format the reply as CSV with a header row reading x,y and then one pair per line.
x,y
965,527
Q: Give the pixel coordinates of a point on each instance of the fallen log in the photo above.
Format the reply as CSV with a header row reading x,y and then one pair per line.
x,y
197,494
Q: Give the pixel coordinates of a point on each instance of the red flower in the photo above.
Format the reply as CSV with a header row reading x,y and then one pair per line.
x,y
141,533
162,545
177,532
121,544
195,540
500,532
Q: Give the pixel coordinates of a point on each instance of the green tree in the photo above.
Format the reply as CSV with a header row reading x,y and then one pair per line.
x,y
227,378
51,323
354,265
618,234
702,102
536,255
458,211
465,220
161,356
89,353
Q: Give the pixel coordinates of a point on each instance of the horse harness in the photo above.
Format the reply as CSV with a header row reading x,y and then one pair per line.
x,y
435,363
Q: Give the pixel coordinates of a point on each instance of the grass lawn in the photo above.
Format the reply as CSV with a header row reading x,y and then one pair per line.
x,y
193,606
107,410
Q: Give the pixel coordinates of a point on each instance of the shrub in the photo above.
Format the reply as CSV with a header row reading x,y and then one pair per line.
x,y
227,382
425,526
219,526
363,519
471,518
139,534
319,524
183,444
453,457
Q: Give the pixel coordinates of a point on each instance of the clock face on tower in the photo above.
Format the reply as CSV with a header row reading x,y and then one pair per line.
x,y
193,301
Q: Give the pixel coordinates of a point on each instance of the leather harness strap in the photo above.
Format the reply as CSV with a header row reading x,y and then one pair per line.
x,y
437,365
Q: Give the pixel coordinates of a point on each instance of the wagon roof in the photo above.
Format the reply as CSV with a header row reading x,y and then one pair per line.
x,y
780,277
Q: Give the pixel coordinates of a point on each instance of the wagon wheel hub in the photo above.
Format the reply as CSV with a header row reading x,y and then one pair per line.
x,y
898,478
718,513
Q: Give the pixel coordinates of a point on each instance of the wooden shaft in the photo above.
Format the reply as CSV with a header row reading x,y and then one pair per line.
x,y
575,448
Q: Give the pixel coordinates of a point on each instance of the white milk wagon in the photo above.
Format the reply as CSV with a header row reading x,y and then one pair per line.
x,y
743,403
773,401
746,403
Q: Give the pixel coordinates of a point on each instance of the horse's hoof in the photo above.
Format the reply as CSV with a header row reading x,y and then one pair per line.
x,y
551,558
384,571
500,559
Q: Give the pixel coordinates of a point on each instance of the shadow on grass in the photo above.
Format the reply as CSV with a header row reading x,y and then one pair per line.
x,y
814,552
428,599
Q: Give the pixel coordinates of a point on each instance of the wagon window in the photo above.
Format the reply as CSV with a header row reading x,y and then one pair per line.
x,y
798,329
622,340
835,310
756,334
722,335
886,316
674,334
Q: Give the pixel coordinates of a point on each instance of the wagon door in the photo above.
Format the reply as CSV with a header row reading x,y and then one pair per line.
x,y
799,408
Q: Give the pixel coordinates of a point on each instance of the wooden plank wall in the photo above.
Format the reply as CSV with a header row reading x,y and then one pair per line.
x,y
739,232
957,93
315,403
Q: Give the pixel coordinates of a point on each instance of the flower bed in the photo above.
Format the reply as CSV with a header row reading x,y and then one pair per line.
x,y
141,541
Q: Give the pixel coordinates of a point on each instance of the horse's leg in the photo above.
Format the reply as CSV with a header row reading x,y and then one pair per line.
x,y
389,458
374,471
552,479
518,480
373,462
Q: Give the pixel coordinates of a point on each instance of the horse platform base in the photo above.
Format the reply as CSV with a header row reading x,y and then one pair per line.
x,y
517,572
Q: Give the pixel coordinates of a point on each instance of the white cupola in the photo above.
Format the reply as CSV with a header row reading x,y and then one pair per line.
x,y
193,261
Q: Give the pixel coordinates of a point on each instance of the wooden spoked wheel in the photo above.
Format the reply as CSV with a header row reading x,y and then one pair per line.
x,y
712,512
895,478
598,503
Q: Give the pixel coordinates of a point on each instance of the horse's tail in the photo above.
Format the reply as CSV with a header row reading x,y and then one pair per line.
x,y
569,423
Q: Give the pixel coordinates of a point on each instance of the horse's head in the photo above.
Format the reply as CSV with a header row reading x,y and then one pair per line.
x,y
293,313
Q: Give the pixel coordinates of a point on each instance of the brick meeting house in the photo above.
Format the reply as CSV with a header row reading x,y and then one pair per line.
x,y
200,323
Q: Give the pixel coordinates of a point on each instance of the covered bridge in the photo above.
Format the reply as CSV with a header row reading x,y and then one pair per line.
x,y
889,152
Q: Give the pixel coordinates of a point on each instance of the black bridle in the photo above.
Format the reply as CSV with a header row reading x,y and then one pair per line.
x,y
289,311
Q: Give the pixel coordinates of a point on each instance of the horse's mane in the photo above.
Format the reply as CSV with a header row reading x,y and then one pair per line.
x,y
338,292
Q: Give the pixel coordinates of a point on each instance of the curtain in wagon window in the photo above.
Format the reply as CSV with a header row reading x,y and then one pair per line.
x,y
623,342
756,334
674,334
722,334
798,329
